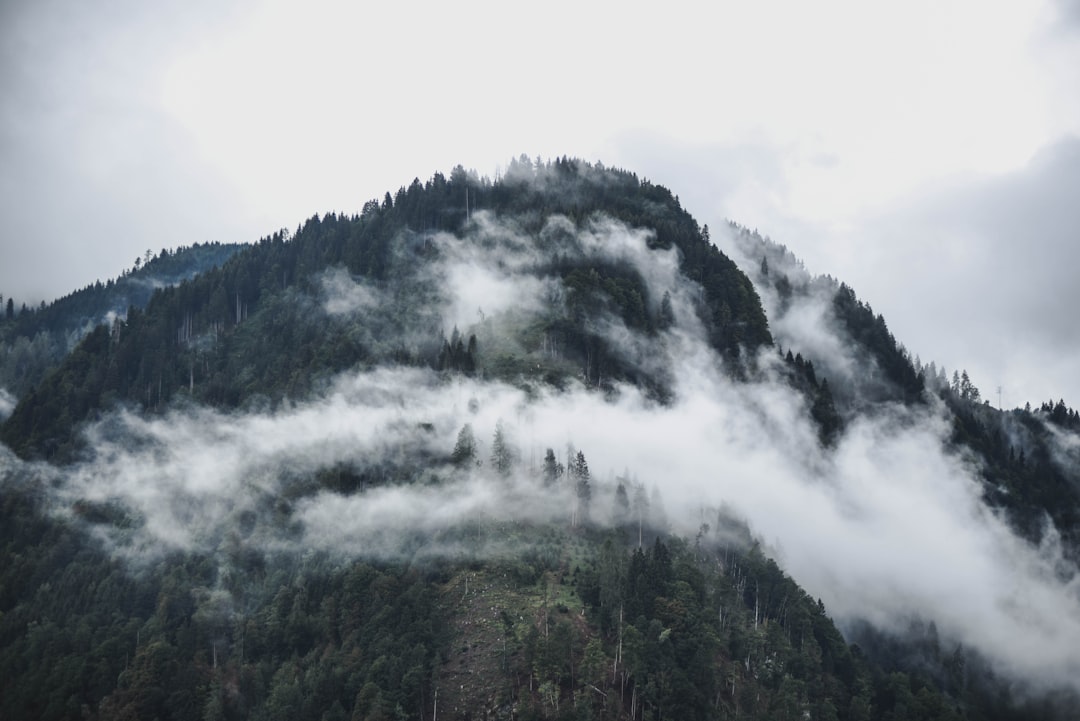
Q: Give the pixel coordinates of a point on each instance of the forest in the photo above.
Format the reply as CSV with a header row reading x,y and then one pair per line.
x,y
33,340
331,475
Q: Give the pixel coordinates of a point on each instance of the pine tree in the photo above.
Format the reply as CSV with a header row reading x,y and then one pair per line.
x,y
465,452
502,455
584,490
967,389
553,470
824,412
622,504
666,316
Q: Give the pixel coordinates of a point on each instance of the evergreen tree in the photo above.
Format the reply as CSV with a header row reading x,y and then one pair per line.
x,y
639,506
465,451
502,454
553,470
967,389
622,505
582,487
666,316
824,412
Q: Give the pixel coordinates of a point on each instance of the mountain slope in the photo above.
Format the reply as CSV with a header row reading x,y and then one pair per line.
x,y
511,449
1027,463
35,340
254,326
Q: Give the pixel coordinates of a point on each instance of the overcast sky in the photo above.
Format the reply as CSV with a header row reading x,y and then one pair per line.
x,y
927,153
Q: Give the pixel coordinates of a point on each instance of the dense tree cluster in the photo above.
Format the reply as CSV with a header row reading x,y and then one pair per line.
x,y
1026,467
870,333
596,613
255,327
708,628
196,637
1060,414
36,340
822,407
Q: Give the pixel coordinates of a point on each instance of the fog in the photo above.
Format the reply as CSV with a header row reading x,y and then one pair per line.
x,y
7,403
885,526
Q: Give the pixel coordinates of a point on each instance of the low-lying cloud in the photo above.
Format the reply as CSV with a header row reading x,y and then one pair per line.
x,y
7,403
886,525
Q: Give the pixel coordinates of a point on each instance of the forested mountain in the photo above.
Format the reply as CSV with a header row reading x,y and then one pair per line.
x,y
526,449
255,328
1027,457
35,339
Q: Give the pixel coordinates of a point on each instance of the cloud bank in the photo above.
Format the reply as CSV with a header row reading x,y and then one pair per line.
x,y
885,526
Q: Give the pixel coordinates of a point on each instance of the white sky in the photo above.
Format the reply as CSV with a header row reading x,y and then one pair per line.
x,y
927,153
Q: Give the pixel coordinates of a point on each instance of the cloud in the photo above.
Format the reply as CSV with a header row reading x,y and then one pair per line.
x,y
807,326
980,275
95,171
887,525
344,295
1069,13
7,403
488,275
970,271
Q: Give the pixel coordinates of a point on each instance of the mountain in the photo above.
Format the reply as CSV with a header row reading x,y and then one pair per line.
x,y
1027,459
34,340
527,448
255,328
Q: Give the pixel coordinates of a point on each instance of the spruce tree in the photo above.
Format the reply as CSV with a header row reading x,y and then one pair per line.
x,y
464,454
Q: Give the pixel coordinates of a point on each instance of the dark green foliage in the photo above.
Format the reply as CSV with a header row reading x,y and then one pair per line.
x,y
256,328
33,342
883,372
823,411
579,476
623,624
191,637
457,356
1061,415
822,407
702,630
465,452
708,631
871,333
502,453
1027,473
553,470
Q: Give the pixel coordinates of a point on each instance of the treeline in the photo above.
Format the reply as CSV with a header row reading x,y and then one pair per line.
x,y
192,636
579,622
35,340
1027,469
600,613
882,372
802,376
256,328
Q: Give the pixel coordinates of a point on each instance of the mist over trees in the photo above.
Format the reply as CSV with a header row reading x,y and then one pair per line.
x,y
228,335
36,340
1027,473
366,470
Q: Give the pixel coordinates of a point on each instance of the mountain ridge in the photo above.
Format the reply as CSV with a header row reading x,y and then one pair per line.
x,y
283,482
34,340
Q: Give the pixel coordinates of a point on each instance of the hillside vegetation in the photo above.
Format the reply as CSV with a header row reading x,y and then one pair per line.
x,y
351,473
